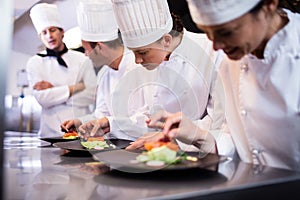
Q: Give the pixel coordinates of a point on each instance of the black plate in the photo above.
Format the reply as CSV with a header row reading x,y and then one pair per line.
x,y
53,140
122,160
76,146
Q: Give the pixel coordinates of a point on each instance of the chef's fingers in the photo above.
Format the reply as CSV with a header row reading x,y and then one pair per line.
x,y
172,122
138,144
66,125
157,120
69,124
82,129
97,130
172,133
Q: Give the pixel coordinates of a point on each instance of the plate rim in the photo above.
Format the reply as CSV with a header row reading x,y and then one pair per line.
x,y
143,168
56,139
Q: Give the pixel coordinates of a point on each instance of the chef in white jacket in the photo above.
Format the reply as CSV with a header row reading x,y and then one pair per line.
x,y
63,80
103,45
180,80
261,77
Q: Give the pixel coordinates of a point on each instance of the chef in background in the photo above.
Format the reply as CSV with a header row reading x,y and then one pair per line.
x,y
260,77
63,81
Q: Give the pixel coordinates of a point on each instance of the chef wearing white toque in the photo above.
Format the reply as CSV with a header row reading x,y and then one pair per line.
x,y
218,12
63,80
45,15
183,80
96,21
260,77
103,45
142,21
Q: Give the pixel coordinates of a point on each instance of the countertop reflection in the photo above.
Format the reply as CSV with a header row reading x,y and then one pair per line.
x,y
35,170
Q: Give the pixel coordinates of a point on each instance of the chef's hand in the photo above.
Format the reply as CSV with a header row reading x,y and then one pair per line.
x,y
179,126
94,128
42,85
70,125
168,122
148,137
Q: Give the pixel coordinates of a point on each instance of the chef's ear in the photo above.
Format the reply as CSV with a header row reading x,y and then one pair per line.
x,y
271,6
167,40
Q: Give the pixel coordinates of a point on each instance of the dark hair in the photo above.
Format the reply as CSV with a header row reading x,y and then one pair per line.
x,y
260,4
177,28
293,5
257,8
177,25
112,44
282,4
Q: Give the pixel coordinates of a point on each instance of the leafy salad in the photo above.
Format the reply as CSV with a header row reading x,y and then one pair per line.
x,y
96,143
161,153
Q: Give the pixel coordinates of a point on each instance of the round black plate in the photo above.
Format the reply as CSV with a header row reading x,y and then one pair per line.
x,y
53,140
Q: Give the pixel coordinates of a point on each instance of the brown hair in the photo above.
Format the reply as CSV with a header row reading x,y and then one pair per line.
x,y
112,44
177,25
257,8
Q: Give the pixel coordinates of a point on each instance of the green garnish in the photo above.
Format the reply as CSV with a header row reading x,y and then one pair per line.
x,y
162,153
95,144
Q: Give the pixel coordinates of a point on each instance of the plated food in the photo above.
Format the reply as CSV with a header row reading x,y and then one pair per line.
x,y
126,161
70,135
76,145
97,143
162,152
53,140
67,136
160,155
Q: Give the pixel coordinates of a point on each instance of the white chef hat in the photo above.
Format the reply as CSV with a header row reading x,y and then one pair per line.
x,y
45,15
215,12
96,21
142,22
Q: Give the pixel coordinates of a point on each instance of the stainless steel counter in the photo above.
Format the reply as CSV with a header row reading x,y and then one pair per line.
x,y
35,170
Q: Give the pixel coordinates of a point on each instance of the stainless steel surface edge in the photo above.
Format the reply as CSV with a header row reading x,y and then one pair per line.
x,y
39,171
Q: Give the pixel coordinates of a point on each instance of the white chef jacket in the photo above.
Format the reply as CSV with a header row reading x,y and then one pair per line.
x,y
263,100
56,104
108,78
183,83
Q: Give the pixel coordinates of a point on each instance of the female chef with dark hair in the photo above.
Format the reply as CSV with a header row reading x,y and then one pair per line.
x,y
261,77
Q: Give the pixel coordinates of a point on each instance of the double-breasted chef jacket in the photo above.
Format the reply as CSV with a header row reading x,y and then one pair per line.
x,y
57,105
263,100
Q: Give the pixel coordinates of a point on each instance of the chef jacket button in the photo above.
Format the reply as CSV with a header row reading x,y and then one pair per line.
x,y
244,67
243,112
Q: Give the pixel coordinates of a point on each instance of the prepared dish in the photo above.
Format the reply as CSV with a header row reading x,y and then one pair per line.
x,y
97,143
162,152
70,135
